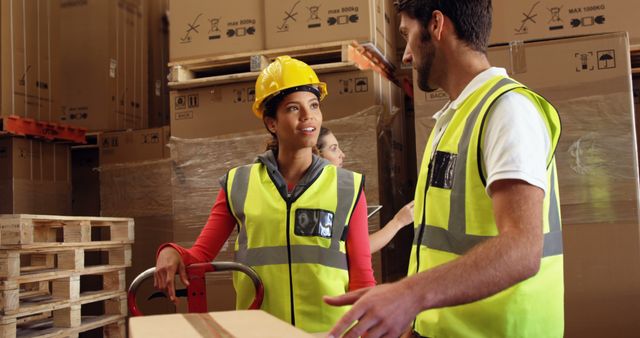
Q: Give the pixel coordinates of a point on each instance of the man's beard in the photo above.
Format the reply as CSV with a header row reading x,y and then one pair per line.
x,y
427,54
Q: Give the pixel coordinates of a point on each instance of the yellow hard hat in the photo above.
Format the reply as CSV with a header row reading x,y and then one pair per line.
x,y
284,73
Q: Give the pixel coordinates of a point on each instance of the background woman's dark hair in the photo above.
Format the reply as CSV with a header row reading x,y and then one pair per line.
x,y
471,18
324,131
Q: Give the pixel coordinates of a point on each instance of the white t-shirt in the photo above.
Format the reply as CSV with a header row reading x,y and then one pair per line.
x,y
516,140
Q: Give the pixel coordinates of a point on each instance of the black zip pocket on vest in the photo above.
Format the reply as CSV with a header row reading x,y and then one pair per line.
x,y
314,222
441,170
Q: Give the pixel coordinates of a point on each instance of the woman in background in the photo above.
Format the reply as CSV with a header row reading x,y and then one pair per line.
x,y
329,148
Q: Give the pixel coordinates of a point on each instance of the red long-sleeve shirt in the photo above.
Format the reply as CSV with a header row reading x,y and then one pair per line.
x,y
221,223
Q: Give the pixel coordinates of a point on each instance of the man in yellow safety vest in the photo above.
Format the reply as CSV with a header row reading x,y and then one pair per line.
x,y
487,254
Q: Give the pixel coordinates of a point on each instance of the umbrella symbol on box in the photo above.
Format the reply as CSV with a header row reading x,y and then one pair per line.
x,y
606,59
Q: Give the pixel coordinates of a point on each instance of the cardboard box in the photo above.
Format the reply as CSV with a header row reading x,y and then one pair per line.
x,y
135,172
227,324
205,28
597,171
306,22
538,20
226,109
30,59
134,145
158,91
105,85
34,177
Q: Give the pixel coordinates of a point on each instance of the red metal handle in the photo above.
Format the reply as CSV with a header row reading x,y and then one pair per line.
x,y
197,291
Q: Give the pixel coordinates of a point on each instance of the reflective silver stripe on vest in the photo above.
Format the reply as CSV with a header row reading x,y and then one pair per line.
x,y
238,197
301,254
553,239
345,199
455,239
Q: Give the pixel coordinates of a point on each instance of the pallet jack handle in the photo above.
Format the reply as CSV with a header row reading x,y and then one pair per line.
x,y
197,290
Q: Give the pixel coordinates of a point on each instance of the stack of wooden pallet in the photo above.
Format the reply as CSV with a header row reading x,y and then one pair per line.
x,y
60,275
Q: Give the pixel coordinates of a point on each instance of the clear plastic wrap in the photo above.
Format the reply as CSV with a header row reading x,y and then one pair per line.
x,y
136,189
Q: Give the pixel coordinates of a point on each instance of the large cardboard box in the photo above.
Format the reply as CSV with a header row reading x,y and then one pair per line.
x,y
226,109
241,324
306,22
135,172
134,145
158,91
597,171
30,59
34,177
205,28
105,85
538,20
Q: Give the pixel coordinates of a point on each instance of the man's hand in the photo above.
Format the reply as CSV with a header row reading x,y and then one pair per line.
x,y
382,311
169,261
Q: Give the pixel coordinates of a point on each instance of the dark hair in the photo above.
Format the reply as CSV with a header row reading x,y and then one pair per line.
x,y
471,18
271,108
324,131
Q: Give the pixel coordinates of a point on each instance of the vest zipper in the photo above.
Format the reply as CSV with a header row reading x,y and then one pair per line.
x,y
293,315
424,217
422,226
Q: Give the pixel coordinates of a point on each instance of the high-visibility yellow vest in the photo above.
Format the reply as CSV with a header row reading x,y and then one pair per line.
x,y
453,213
296,244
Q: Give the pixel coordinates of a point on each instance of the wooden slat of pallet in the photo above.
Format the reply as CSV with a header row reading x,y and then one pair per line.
x,y
114,324
256,61
68,322
14,301
98,269
49,247
25,230
327,57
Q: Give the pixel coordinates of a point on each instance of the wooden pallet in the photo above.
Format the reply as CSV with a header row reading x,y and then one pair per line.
x,y
23,126
68,321
24,298
22,231
325,57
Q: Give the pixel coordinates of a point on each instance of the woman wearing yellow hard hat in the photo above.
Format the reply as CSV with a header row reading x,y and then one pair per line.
x,y
302,221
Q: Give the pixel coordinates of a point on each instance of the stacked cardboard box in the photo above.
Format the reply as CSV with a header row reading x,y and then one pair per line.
x,y
293,23
597,169
204,29
104,59
34,177
226,109
134,176
546,19
30,59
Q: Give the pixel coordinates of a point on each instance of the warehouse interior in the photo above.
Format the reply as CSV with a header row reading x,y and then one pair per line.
x,y
119,117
